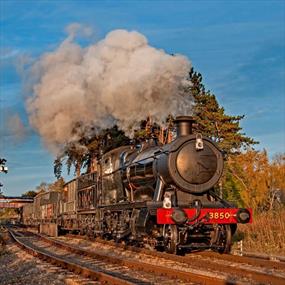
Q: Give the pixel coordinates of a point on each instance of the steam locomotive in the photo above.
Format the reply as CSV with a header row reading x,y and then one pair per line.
x,y
160,197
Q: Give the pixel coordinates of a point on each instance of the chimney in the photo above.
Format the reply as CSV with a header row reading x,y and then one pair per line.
x,y
184,125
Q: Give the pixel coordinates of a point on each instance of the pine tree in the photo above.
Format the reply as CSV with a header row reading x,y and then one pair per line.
x,y
212,120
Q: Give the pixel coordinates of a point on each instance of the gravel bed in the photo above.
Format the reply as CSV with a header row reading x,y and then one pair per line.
x,y
21,268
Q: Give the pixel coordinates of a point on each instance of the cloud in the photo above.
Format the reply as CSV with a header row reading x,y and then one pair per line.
x,y
76,29
16,128
8,53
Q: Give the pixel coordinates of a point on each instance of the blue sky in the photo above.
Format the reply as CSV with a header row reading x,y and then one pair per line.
x,y
238,46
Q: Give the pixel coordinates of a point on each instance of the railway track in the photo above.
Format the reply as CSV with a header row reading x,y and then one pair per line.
x,y
248,259
240,268
260,256
107,268
220,269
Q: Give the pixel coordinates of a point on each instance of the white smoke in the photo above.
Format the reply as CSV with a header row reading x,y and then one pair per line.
x,y
118,80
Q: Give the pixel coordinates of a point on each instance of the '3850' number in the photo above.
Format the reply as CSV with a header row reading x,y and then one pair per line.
x,y
219,215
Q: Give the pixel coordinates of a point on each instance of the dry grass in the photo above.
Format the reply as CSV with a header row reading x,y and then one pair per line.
x,y
265,235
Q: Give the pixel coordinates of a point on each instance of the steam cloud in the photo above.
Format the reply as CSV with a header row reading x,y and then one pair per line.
x,y
118,80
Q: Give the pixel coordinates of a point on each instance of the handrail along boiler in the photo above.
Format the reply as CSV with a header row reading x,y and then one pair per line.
x,y
158,196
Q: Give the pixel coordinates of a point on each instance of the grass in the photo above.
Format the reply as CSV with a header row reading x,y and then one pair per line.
x,y
266,234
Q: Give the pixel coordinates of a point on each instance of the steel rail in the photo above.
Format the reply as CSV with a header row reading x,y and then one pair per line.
x,y
78,269
262,256
249,259
146,267
261,277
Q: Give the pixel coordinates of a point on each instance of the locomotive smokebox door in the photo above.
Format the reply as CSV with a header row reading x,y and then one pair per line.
x,y
191,165
195,170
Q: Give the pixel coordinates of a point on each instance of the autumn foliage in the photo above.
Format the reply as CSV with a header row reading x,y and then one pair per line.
x,y
254,181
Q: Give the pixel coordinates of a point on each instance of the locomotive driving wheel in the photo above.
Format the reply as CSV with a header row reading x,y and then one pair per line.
x,y
170,238
224,238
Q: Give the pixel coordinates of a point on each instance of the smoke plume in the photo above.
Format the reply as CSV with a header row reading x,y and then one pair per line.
x,y
118,80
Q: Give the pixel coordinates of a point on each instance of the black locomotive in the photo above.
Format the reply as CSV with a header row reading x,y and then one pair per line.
x,y
158,196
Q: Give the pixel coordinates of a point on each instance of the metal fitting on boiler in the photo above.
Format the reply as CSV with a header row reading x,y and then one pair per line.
x,y
199,142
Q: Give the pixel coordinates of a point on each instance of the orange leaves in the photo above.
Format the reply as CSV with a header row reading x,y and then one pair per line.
x,y
257,177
